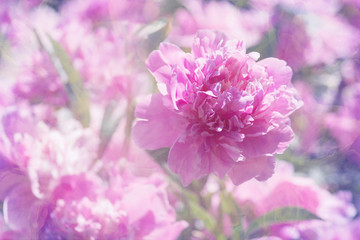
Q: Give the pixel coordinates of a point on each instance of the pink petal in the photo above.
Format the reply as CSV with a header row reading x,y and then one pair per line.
x,y
274,142
293,195
260,168
186,159
278,70
10,177
168,232
157,127
161,63
24,212
207,41
223,156
17,122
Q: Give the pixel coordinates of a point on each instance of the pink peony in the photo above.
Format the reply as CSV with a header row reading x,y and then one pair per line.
x,y
218,109
308,121
353,153
287,189
344,124
38,81
350,70
103,12
351,10
24,214
46,154
131,208
120,78
249,24
311,30
50,186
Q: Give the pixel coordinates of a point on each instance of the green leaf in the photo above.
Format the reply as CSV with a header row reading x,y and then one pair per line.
x,y
230,207
227,203
154,33
78,96
238,232
200,213
280,215
241,3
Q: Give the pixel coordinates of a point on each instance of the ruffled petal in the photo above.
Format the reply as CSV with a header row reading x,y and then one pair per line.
x,y
206,42
277,69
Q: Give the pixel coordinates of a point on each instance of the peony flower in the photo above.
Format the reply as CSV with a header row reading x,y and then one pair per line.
x,y
131,208
351,10
308,121
249,24
120,78
101,12
285,189
38,82
353,153
51,189
350,70
219,110
308,27
35,77
344,124
24,214
46,154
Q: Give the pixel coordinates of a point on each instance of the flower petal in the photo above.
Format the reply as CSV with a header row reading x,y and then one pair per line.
x,y
10,176
23,212
161,63
277,69
260,168
187,160
274,142
157,127
206,42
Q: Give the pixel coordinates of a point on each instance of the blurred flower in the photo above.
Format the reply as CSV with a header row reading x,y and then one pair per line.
x,y
299,6
132,208
311,31
285,189
108,12
308,122
46,154
50,187
344,124
351,11
219,110
24,214
354,151
39,82
350,70
223,16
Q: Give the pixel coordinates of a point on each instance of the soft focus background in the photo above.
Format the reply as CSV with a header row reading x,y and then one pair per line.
x,y
71,74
